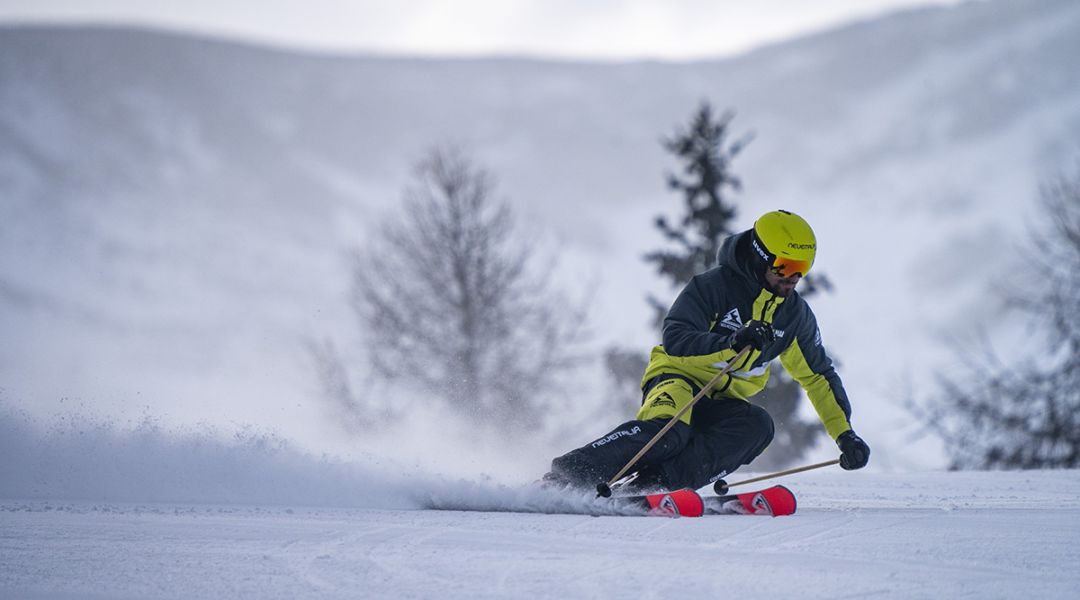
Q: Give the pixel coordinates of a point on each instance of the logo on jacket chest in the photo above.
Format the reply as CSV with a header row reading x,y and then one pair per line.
x,y
732,320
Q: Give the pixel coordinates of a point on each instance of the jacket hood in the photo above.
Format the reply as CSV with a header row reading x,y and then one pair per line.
x,y
735,254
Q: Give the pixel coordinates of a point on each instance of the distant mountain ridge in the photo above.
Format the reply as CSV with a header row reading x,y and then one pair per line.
x,y
176,210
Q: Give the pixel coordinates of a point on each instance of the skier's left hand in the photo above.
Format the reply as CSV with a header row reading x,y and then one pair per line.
x,y
854,453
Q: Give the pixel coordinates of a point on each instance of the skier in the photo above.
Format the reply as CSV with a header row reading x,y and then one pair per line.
x,y
748,299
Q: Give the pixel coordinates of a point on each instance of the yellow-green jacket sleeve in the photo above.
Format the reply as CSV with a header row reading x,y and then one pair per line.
x,y
805,359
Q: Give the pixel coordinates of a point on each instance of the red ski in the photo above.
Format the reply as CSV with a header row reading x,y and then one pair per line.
x,y
680,503
776,501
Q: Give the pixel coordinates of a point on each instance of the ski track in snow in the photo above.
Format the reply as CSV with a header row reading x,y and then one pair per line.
x,y
921,535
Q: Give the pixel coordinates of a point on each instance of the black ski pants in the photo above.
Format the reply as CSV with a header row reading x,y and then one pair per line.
x,y
724,434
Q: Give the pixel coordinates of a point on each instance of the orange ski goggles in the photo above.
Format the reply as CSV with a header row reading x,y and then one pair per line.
x,y
787,267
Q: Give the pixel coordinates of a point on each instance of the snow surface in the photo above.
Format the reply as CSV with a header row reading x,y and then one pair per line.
x,y
90,512
929,535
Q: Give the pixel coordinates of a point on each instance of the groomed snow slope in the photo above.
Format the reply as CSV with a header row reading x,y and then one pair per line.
x,y
92,510
929,535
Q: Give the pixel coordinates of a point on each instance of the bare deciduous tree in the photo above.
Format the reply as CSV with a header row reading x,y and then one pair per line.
x,y
449,299
1024,413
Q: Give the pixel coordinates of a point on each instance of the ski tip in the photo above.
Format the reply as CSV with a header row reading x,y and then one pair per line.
x,y
795,502
777,501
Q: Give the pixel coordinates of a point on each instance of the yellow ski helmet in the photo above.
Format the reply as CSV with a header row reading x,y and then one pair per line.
x,y
784,242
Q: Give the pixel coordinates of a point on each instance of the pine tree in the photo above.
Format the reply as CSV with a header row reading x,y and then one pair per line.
x,y
705,181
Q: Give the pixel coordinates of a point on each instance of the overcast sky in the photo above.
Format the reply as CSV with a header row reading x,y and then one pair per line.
x,y
592,29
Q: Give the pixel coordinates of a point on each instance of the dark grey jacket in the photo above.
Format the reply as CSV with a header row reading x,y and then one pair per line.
x,y
699,329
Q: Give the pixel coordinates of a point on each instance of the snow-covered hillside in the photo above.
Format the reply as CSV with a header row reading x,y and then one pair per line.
x,y
176,212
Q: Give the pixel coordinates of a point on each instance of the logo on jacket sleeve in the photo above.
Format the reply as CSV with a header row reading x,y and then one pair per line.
x,y
732,320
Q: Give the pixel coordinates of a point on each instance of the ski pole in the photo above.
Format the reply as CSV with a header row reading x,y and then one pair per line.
x,y
604,489
721,486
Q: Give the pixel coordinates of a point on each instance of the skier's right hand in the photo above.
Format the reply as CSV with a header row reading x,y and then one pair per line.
x,y
756,334
854,453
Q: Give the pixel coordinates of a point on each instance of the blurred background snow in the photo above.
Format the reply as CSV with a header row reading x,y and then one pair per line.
x,y
179,202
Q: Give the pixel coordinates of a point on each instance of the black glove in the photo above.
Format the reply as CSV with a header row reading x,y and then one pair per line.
x,y
854,453
756,334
